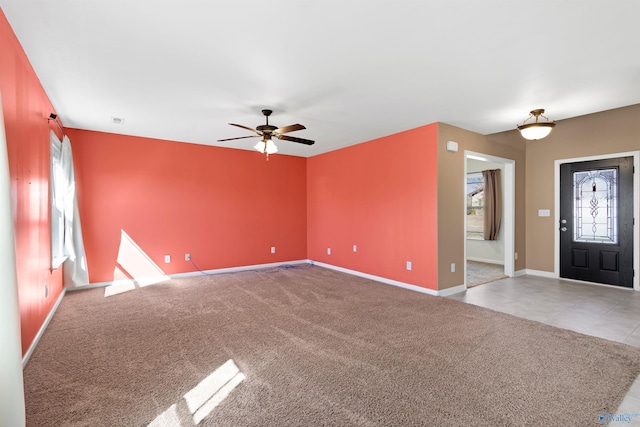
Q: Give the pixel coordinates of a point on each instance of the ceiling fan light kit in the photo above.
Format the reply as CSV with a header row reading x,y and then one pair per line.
x,y
267,132
266,146
537,129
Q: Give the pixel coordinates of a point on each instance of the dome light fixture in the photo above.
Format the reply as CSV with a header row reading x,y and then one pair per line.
x,y
537,129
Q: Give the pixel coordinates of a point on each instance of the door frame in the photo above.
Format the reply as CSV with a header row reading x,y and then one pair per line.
x,y
509,203
636,212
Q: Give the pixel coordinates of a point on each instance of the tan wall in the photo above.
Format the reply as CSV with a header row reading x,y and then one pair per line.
x,y
613,131
451,238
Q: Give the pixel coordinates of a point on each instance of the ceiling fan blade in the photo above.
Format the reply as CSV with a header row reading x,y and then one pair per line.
x,y
246,127
294,139
290,128
240,137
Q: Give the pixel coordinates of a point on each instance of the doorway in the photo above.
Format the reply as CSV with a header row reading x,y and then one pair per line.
x,y
486,261
596,221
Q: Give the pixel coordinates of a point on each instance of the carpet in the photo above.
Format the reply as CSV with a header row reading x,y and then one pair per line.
x,y
312,346
479,273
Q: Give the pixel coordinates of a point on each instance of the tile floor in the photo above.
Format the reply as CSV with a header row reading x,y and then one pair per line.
x,y
603,311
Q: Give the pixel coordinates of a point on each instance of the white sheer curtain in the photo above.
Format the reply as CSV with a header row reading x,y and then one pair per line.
x,y
75,266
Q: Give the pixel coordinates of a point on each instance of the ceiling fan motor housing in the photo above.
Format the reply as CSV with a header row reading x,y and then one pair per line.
x,y
266,128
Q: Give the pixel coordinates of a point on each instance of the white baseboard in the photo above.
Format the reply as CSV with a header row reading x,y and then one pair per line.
x,y
540,273
238,269
519,273
444,292
33,345
453,290
98,285
192,273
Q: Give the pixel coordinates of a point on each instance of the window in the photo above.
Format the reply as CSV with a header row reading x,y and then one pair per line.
x,y
57,185
475,206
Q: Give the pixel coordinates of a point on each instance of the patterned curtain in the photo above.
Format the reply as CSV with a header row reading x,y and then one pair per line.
x,y
492,203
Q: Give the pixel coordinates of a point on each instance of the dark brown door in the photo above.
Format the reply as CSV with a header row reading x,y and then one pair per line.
x,y
596,221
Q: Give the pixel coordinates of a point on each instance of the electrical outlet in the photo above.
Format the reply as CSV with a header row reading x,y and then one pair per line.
x,y
328,251
273,249
453,267
46,290
515,256
355,248
187,257
409,265
167,259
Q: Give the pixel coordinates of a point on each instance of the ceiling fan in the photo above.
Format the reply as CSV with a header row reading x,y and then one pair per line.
x,y
267,132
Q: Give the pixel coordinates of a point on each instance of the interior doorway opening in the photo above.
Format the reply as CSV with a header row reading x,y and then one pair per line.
x,y
488,260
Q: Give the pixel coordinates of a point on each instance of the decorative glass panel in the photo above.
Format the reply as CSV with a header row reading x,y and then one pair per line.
x,y
596,206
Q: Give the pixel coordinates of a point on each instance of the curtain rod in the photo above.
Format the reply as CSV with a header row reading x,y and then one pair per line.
x,y
54,117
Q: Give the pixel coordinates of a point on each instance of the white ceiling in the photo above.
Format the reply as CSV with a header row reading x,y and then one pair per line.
x,y
348,70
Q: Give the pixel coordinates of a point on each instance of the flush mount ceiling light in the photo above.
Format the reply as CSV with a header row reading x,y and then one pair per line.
x,y
537,129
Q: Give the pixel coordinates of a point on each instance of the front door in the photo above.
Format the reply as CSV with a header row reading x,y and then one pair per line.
x,y
596,221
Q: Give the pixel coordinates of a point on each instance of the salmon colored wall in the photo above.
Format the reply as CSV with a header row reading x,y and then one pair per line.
x,y
225,207
380,196
26,108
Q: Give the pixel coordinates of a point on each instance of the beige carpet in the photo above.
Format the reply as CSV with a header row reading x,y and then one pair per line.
x,y
479,273
304,347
